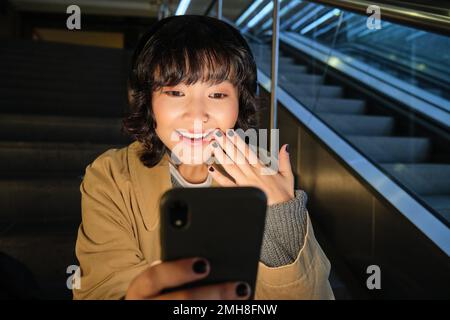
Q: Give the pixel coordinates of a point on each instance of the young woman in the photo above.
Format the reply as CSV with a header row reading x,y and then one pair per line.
x,y
189,70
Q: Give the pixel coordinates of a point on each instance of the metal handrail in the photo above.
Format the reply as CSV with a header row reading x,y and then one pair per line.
x,y
411,16
209,8
219,7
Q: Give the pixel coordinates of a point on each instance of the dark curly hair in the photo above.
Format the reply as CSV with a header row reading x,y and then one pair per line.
x,y
186,49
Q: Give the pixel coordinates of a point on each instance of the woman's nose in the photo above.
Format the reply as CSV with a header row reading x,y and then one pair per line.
x,y
197,112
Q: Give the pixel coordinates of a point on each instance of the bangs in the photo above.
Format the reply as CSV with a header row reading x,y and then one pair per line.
x,y
191,52
191,65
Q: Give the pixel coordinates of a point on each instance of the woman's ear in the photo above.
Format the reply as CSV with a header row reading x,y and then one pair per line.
x,y
130,95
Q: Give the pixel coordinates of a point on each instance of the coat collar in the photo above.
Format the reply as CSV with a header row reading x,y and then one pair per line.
x,y
150,184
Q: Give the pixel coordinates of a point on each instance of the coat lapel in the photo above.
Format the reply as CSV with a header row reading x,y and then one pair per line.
x,y
150,184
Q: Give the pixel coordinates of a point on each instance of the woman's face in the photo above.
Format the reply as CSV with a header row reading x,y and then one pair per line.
x,y
186,116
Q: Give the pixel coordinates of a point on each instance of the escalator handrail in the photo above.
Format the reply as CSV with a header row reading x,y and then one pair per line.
x,y
404,14
434,107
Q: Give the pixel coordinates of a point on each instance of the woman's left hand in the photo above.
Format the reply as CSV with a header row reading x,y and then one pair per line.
x,y
243,165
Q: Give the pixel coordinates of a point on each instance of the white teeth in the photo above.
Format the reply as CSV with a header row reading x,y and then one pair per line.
x,y
194,135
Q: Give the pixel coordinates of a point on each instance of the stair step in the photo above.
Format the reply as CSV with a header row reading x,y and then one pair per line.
x,y
422,178
335,106
61,79
40,200
56,50
47,250
64,105
68,95
65,108
38,57
393,149
301,78
281,59
440,203
363,125
55,73
284,68
84,88
54,128
36,64
307,91
22,159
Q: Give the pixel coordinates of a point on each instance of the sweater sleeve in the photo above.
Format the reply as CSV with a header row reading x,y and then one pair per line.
x,y
285,231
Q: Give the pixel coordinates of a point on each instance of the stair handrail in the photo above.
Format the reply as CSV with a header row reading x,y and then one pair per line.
x,y
417,16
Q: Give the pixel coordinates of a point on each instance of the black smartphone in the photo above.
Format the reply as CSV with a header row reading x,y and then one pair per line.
x,y
222,224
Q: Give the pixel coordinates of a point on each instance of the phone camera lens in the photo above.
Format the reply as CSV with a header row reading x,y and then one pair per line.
x,y
178,212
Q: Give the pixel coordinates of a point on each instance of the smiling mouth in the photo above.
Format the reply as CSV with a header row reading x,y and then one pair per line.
x,y
195,137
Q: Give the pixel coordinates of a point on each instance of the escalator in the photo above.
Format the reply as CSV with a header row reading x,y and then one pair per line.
x,y
409,158
72,111
386,97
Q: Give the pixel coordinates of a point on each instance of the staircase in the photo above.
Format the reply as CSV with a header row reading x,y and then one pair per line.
x,y
61,106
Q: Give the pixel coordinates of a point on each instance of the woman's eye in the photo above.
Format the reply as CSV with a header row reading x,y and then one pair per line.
x,y
174,93
219,95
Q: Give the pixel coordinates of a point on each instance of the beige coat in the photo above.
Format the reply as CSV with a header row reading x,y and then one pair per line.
x,y
119,234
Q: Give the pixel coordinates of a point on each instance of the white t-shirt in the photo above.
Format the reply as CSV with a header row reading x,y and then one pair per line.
x,y
176,174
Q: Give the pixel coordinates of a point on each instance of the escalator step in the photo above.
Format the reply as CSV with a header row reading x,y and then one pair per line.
x,y
304,91
301,78
72,78
14,86
440,203
363,125
43,156
75,95
102,62
54,128
22,159
393,149
60,50
281,59
335,106
47,250
283,68
63,108
40,200
47,64
423,178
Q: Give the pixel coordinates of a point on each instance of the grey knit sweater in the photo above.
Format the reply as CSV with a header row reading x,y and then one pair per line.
x,y
285,230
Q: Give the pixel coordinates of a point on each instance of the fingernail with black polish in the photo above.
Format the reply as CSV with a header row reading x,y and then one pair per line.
x,y
287,148
242,289
214,144
218,133
230,133
199,266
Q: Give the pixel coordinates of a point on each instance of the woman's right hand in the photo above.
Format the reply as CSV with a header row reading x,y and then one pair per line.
x,y
156,278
